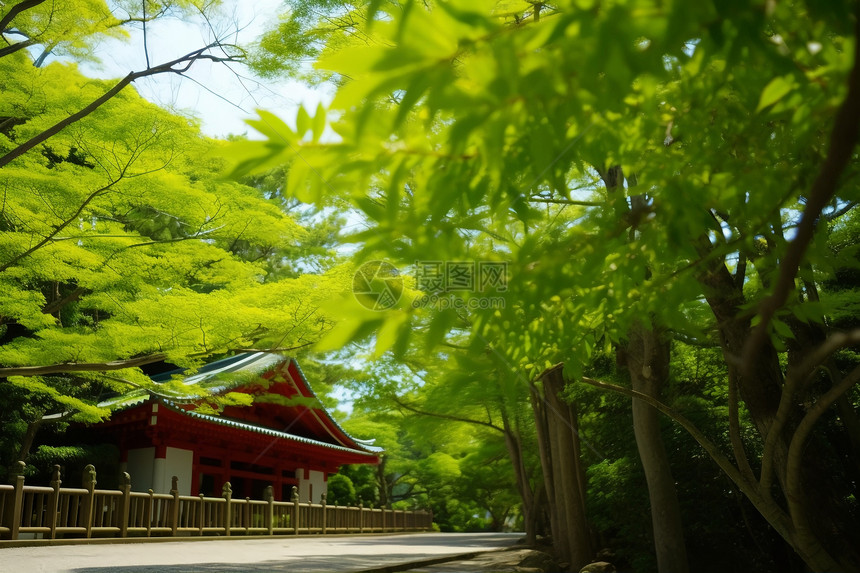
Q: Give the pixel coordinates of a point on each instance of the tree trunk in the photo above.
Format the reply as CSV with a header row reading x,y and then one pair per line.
x,y
558,432
28,439
647,359
515,452
760,383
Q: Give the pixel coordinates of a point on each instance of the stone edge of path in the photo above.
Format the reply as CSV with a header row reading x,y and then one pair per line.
x,y
7,543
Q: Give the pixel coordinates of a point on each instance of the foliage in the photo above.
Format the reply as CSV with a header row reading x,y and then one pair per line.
x,y
340,490
120,244
681,177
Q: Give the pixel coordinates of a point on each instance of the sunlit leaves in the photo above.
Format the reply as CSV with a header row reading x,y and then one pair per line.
x,y
450,145
121,239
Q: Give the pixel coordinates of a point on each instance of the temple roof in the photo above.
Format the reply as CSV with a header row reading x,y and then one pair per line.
x,y
253,370
219,420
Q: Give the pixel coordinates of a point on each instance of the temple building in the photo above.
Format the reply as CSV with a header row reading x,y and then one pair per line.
x,y
283,437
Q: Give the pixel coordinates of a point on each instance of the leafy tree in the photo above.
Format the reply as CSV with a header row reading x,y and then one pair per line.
x,y
486,137
340,490
121,246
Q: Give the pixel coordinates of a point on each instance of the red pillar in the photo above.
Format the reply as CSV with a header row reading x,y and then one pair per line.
x,y
195,473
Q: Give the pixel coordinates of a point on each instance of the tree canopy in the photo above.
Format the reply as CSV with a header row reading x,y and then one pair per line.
x,y
121,243
648,171
623,235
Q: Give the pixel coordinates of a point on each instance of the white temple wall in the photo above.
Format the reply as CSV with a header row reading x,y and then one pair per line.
x,y
149,472
311,487
139,467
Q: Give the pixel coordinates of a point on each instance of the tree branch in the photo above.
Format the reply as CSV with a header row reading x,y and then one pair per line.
x,y
17,9
793,485
184,62
769,510
735,429
725,464
279,349
12,48
843,139
445,416
60,227
795,379
567,202
60,303
81,366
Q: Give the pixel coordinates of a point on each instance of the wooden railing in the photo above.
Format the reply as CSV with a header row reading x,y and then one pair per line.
x,y
56,512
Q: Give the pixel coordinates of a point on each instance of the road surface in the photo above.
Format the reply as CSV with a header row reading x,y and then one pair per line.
x,y
305,554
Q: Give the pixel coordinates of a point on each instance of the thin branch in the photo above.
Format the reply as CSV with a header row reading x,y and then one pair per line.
x,y
769,510
839,212
81,366
60,227
725,464
145,46
735,429
793,485
445,416
693,341
17,9
184,63
567,202
59,304
12,48
273,350
843,139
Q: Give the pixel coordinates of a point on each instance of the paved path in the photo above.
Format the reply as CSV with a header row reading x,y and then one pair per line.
x,y
237,555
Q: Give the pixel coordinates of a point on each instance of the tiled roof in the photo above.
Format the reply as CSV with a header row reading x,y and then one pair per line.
x,y
229,373
371,450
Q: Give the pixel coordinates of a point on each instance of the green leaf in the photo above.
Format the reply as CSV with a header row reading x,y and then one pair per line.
x,y
774,91
303,122
319,123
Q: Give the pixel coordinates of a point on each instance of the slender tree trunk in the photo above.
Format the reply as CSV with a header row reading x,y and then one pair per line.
x,y
539,409
382,484
515,452
28,439
558,431
647,359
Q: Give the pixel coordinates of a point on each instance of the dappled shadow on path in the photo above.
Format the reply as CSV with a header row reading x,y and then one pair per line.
x,y
316,564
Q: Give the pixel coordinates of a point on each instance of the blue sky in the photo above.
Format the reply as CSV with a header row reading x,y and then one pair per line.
x,y
213,94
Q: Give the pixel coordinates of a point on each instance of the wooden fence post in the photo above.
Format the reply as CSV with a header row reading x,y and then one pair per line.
x,y
174,510
147,513
295,499
124,503
361,517
227,493
202,514
54,504
12,515
324,511
269,497
89,502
